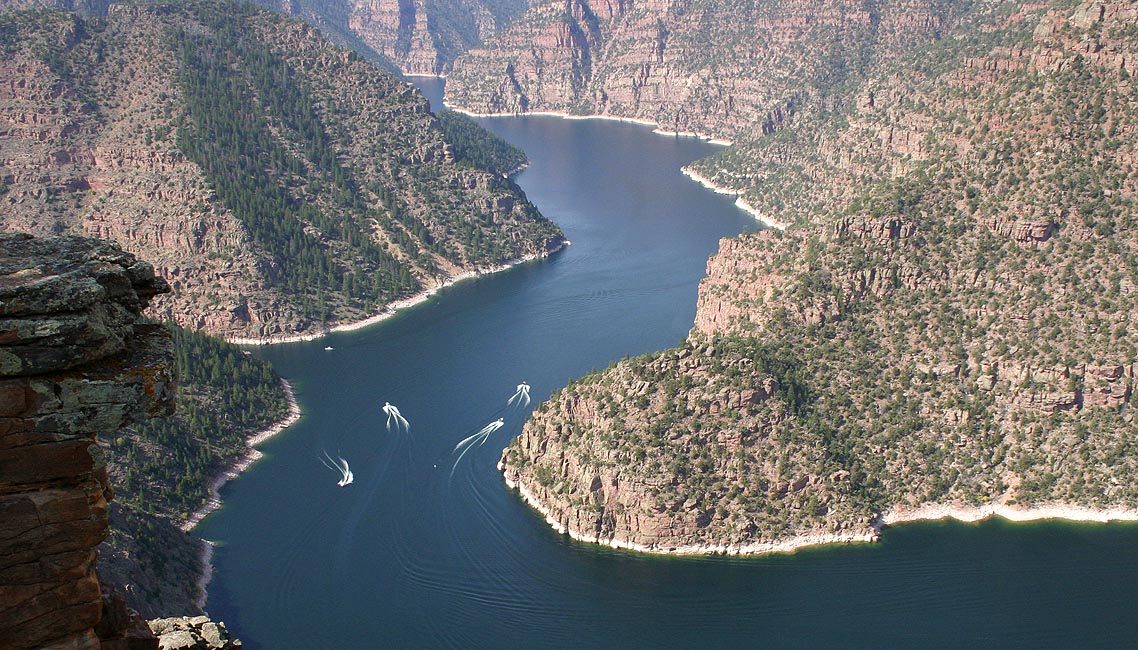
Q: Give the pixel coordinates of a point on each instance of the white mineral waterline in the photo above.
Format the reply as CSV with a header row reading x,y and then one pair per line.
x,y
786,545
1069,512
656,128
895,516
711,139
393,308
740,202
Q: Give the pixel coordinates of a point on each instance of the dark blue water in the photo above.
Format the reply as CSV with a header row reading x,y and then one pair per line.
x,y
411,557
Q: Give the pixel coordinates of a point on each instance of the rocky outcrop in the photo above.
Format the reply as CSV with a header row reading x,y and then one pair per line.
x,y
727,304
75,362
416,36
398,30
192,633
676,453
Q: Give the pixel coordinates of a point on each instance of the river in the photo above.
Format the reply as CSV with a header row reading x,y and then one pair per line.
x,y
413,556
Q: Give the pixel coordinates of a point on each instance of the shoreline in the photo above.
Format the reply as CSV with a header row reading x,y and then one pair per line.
x,y
971,514
740,202
656,128
243,461
393,308
895,516
251,455
786,545
205,557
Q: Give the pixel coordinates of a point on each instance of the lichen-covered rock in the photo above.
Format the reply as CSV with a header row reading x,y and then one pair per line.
x,y
192,633
63,385
67,301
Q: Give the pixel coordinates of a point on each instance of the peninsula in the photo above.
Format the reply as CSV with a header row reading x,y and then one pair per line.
x,y
945,328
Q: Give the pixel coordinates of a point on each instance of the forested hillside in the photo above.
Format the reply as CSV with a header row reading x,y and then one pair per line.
x,y
283,185
161,470
477,147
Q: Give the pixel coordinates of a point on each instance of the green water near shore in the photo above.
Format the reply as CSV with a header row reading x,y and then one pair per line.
x,y
411,557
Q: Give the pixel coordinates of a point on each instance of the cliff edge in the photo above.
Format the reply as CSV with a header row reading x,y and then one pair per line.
x,y
76,362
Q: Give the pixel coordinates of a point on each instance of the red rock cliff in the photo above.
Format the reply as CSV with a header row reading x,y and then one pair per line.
x,y
76,361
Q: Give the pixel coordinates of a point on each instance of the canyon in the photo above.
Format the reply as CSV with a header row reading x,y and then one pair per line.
x,y
944,326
